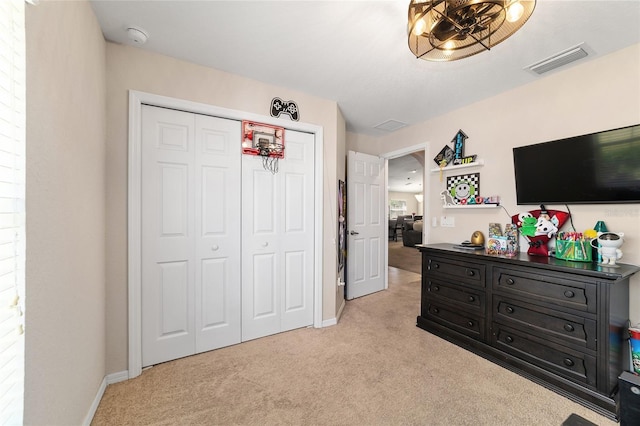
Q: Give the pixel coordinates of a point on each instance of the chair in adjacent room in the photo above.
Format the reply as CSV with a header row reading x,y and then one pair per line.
x,y
393,231
399,226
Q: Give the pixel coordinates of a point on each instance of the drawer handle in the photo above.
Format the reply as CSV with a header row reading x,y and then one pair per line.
x,y
436,288
471,299
436,310
435,266
470,324
511,281
510,310
568,327
568,362
569,294
508,339
470,272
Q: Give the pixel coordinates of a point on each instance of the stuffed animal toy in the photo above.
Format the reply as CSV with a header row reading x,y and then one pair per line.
x,y
545,227
524,217
539,231
528,226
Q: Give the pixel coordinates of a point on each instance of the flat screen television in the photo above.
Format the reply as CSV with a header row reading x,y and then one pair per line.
x,y
597,168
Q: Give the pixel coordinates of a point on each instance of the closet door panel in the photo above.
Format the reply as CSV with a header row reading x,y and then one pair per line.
x,y
278,211
260,250
167,231
217,233
297,232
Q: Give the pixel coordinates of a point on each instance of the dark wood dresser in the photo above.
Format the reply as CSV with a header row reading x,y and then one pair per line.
x,y
559,323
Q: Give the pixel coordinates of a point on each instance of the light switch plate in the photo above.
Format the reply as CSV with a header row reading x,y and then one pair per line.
x,y
447,221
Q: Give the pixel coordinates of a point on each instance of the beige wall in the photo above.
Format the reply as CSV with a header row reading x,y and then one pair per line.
x,y
600,94
132,68
65,287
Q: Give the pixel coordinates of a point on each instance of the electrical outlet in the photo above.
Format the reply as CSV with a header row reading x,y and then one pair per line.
x,y
447,221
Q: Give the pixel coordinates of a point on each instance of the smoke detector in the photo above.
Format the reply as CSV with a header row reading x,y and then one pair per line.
x,y
137,35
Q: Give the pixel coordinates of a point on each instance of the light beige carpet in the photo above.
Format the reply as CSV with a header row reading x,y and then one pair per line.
x,y
374,368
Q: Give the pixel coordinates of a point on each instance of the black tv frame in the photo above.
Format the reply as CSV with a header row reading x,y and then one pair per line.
x,y
595,168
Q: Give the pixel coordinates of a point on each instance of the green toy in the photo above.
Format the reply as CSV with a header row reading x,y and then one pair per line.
x,y
528,227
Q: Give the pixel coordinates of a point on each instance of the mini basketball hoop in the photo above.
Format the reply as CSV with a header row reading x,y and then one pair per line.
x,y
265,141
270,152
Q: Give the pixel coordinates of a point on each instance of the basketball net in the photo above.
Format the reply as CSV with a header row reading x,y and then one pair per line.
x,y
270,153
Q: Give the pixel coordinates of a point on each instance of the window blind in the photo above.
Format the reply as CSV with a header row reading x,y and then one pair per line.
x,y
12,210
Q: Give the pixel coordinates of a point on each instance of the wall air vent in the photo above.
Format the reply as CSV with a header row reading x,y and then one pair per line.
x,y
558,60
390,125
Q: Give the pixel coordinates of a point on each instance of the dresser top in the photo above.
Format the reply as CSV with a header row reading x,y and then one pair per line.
x,y
592,269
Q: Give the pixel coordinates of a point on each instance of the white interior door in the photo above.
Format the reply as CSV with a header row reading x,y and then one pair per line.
x,y
190,225
278,240
365,224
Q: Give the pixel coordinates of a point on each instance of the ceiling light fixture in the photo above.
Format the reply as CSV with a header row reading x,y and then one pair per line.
x,y
447,30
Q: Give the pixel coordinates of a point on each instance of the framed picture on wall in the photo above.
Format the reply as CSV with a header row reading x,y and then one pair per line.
x,y
463,187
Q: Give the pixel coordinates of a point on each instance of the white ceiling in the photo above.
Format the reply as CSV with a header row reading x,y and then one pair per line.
x,y
405,174
356,53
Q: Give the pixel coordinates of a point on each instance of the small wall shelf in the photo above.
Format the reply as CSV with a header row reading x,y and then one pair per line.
x,y
472,206
459,166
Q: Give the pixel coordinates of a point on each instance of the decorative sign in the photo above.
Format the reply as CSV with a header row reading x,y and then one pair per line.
x,y
444,157
290,108
458,149
464,188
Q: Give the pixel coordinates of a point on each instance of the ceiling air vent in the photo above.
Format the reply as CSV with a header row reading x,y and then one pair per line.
x,y
558,60
390,125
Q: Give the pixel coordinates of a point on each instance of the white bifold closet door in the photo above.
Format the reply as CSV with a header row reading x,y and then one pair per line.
x,y
190,234
222,260
278,240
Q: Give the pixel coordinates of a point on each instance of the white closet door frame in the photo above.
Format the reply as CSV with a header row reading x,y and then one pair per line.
x,y
136,100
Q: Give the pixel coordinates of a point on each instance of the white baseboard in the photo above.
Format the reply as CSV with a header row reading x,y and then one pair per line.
x,y
96,401
117,377
108,379
334,321
329,322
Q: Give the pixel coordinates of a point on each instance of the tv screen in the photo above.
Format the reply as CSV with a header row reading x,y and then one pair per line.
x,y
597,168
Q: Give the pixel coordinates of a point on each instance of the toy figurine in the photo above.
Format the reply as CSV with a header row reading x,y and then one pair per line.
x,y
609,248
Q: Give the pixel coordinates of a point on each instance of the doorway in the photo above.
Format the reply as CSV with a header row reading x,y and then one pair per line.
x,y
407,179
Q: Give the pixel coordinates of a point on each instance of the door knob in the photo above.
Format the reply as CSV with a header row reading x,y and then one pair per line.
x,y
353,233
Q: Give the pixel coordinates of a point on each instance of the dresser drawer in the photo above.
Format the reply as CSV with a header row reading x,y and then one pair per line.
x,y
555,290
455,319
561,327
457,271
571,364
466,298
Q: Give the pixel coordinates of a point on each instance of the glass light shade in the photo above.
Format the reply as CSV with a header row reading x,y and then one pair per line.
x,y
419,27
514,12
457,29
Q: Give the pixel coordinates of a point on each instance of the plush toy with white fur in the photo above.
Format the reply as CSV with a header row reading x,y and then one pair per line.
x,y
545,227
